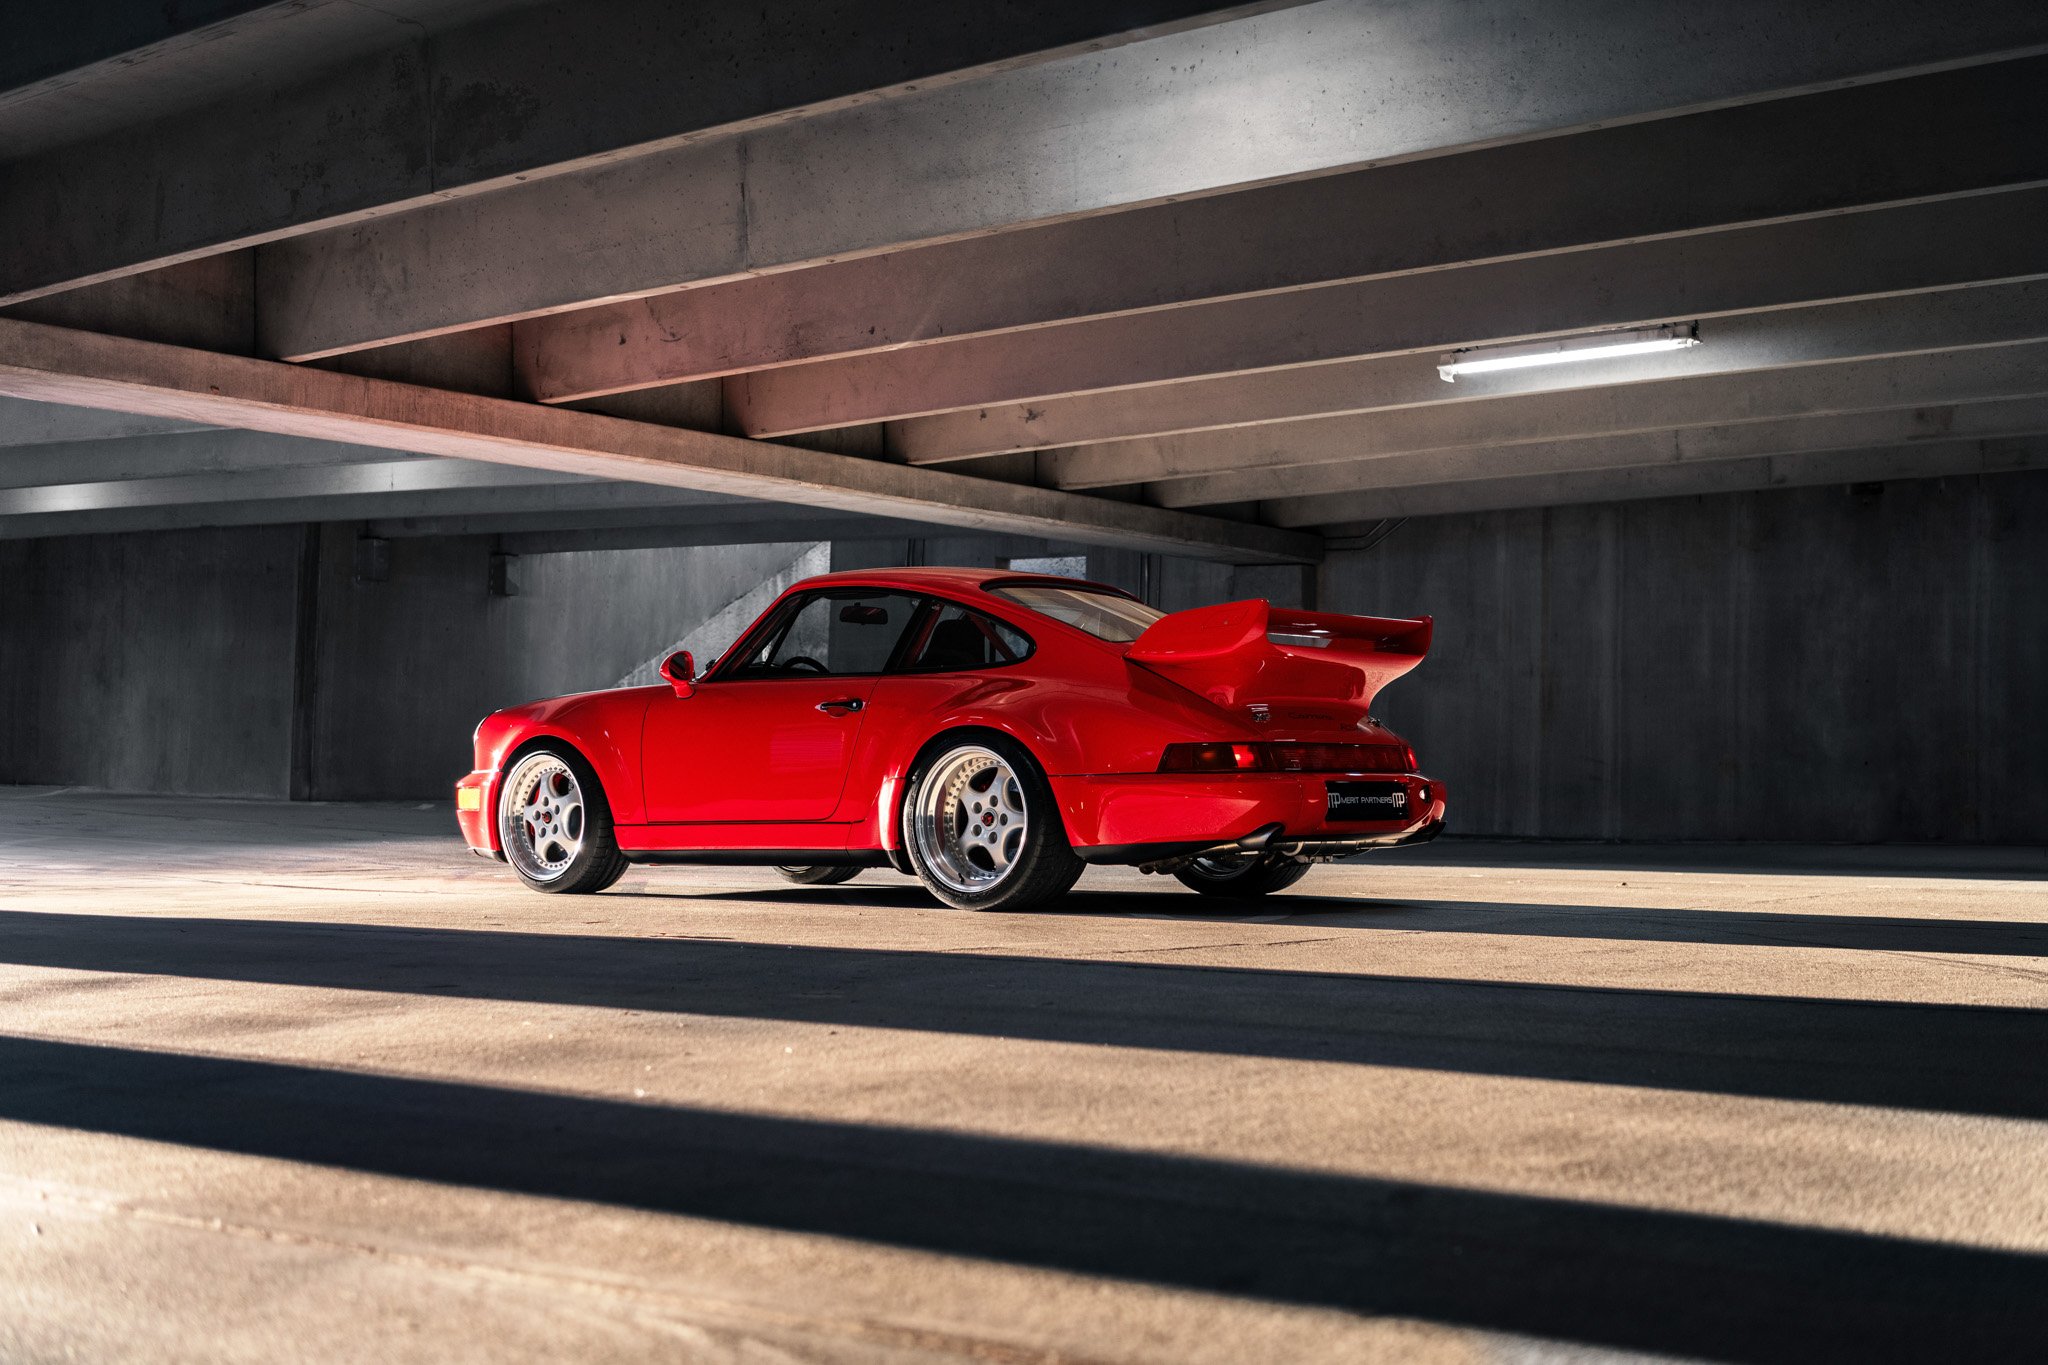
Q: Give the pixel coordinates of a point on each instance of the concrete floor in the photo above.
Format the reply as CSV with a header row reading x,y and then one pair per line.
x,y
308,1082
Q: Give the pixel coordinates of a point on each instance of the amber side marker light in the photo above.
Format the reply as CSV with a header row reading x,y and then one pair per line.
x,y
1287,758
469,798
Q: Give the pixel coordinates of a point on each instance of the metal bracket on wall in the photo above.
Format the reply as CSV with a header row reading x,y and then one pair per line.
x,y
502,582
373,560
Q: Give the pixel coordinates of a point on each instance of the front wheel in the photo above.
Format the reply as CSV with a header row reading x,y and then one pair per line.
x,y
555,827
1241,874
982,828
818,876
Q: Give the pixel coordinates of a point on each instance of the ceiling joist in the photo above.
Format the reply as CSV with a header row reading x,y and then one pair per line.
x,y
58,365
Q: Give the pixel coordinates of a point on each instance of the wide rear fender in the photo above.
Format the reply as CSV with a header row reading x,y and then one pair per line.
x,y
924,711
1109,718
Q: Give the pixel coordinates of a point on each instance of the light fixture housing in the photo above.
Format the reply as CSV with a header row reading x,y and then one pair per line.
x,y
1675,336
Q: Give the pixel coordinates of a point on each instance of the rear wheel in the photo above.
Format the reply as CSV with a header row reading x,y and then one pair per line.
x,y
818,876
982,829
554,825
1241,874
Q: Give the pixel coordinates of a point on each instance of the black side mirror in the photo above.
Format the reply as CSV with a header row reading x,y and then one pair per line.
x,y
681,671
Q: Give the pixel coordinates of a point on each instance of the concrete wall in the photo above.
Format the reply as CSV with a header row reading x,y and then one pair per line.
x,y
1165,581
170,662
407,667
152,662
1832,664
1814,664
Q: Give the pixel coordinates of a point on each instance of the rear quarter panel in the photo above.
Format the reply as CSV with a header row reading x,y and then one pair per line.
x,y
1078,708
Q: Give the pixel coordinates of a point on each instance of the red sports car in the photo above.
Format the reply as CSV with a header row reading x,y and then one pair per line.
x,y
991,733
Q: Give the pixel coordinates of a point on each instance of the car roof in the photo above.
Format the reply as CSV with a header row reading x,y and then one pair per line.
x,y
928,578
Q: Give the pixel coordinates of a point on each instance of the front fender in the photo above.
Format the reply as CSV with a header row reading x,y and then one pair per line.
x,y
604,727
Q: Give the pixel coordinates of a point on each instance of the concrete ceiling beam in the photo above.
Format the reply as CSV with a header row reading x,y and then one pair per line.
x,y
52,364
528,92
1875,252
70,73
1300,498
652,509
549,500
530,519
411,475
1309,90
1955,459
54,44
774,532
24,424
1956,132
163,456
1237,464
1993,315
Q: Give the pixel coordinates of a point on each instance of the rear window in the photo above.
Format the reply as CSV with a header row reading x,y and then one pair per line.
x,y
954,638
1104,615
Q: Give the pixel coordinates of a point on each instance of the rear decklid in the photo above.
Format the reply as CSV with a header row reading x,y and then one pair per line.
x,y
1301,668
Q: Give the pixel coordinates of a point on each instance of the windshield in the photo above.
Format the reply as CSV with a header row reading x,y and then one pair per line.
x,y
1103,615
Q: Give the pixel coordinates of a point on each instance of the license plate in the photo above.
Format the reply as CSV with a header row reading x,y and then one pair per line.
x,y
1367,801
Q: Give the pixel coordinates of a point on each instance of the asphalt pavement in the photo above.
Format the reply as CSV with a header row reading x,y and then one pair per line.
x,y
309,1082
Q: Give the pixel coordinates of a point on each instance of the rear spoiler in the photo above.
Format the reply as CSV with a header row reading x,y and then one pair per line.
x,y
1243,653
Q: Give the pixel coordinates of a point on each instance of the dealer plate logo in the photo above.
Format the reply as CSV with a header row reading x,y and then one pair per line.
x,y
1367,801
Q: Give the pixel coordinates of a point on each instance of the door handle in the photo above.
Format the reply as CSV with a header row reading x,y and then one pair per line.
x,y
844,705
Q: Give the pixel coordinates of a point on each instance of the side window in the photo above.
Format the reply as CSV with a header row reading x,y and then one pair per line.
x,y
845,632
954,637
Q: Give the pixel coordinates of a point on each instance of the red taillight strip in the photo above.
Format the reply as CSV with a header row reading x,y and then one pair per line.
x,y
1287,758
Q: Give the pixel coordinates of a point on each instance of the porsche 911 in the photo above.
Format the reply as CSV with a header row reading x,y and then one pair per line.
x,y
990,733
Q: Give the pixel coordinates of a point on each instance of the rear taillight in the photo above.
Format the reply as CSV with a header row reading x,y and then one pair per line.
x,y
1210,758
1287,758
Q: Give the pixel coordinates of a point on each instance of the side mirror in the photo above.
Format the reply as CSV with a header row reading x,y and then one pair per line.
x,y
681,671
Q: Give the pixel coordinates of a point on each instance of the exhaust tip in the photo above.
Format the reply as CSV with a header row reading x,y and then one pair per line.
x,y
1256,841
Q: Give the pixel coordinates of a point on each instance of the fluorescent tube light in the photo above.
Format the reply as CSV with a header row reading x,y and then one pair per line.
x,y
1567,350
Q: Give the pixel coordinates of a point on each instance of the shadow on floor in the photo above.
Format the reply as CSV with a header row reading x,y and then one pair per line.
x,y
1999,862
1631,1278
1966,1059
1875,933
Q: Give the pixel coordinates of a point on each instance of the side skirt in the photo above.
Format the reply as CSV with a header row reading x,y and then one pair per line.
x,y
763,857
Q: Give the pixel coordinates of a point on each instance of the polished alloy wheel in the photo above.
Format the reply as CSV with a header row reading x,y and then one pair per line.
x,y
541,818
969,820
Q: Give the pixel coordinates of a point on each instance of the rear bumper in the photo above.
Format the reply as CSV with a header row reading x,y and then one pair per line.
x,y
1151,817
473,814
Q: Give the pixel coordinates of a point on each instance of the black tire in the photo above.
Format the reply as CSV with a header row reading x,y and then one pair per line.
x,y
818,876
594,861
1042,865
1242,880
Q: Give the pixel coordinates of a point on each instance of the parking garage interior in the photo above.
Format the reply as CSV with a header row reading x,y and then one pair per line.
x,y
365,370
